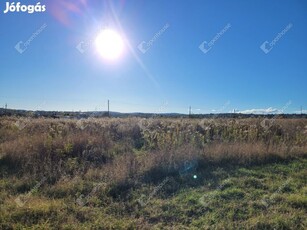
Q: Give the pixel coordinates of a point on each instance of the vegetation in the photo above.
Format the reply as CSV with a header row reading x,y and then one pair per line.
x,y
154,173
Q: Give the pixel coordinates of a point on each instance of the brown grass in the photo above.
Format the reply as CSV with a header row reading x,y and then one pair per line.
x,y
118,150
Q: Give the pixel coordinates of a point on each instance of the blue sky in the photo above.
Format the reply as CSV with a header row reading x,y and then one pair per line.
x,y
174,73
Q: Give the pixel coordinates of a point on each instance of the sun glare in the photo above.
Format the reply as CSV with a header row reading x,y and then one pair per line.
x,y
109,44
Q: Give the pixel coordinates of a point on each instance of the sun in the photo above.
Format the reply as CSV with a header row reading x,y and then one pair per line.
x,y
109,44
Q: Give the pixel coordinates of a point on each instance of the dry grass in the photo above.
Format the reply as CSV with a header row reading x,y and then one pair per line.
x,y
123,149
112,163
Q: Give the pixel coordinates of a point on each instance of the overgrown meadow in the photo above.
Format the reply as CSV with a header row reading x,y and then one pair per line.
x,y
154,173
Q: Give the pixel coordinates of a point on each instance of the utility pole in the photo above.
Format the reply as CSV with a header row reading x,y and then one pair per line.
x,y
190,111
301,110
108,108
5,105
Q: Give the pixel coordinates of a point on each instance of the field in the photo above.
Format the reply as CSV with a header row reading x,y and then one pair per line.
x,y
154,173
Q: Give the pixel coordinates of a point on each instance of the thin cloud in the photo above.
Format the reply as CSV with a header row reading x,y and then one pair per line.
x,y
260,111
304,111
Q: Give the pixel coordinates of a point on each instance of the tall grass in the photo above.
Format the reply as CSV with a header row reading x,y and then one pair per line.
x,y
119,150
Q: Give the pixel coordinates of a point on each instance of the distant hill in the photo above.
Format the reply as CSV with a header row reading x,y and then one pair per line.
x,y
79,115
